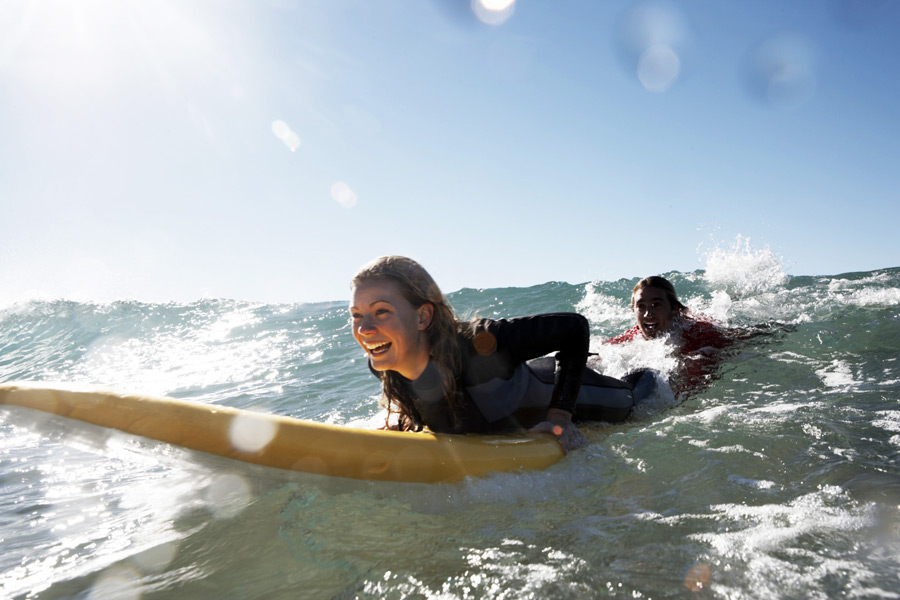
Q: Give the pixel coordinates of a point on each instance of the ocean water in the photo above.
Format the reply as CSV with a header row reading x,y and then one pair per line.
x,y
779,479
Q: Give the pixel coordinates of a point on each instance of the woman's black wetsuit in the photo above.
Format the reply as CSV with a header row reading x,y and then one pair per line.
x,y
506,385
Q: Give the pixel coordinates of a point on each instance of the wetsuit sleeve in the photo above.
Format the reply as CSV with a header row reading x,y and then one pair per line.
x,y
626,336
523,338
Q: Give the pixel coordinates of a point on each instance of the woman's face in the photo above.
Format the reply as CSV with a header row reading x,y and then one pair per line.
x,y
389,328
653,312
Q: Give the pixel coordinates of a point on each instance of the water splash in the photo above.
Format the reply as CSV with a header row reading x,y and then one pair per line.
x,y
617,360
744,270
598,308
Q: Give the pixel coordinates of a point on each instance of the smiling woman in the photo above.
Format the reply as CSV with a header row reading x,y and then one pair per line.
x,y
482,376
655,305
660,315
390,328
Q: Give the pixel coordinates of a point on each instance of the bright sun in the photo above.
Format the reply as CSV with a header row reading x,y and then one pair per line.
x,y
90,46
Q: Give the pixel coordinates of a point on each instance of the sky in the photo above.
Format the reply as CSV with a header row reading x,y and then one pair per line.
x,y
173,150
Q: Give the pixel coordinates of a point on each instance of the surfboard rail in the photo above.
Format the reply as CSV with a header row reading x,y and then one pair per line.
x,y
285,442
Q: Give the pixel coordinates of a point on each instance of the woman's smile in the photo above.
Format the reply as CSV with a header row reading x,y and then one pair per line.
x,y
653,312
390,329
377,347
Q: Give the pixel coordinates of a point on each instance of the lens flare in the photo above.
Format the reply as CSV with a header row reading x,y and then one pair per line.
x,y
658,68
227,496
698,577
651,37
118,583
780,72
251,433
343,195
493,12
156,559
287,135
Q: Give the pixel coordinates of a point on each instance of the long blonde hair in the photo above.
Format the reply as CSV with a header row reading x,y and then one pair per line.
x,y
418,288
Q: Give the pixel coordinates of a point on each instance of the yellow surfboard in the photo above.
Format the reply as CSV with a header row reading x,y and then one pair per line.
x,y
287,443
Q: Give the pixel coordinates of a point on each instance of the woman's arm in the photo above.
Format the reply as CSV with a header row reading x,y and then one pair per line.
x,y
523,338
567,334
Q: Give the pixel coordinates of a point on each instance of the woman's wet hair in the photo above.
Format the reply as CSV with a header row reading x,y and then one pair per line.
x,y
660,283
418,287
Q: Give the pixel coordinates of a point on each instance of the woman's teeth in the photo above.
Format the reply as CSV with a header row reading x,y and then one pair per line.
x,y
378,348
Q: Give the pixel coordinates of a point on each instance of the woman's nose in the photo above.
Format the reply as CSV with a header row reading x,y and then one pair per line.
x,y
365,325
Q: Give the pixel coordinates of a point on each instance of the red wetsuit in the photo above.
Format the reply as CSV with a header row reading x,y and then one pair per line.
x,y
698,344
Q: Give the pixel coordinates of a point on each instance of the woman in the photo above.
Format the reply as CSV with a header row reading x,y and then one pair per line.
x,y
659,313
478,376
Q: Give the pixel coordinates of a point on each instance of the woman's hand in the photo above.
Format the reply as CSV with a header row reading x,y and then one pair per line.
x,y
559,423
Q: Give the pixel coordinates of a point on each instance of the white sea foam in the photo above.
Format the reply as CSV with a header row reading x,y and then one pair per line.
x,y
206,353
603,309
718,306
874,297
743,269
617,360
752,483
760,537
837,375
889,420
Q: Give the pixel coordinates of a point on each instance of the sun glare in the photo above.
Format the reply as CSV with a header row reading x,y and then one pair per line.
x,y
63,43
493,12
62,51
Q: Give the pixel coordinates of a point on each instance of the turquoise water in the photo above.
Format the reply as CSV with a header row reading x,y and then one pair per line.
x,y
778,480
